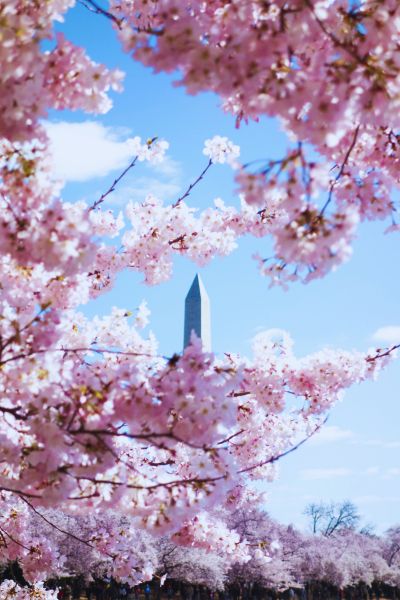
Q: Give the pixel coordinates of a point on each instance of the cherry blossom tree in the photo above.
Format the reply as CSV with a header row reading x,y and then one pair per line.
x,y
92,417
344,558
328,70
392,545
190,564
278,556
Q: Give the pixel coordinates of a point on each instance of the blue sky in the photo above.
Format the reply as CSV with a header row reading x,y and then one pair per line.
x,y
357,456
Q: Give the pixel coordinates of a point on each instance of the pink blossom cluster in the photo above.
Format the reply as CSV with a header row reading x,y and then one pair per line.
x,y
328,70
221,150
32,80
10,590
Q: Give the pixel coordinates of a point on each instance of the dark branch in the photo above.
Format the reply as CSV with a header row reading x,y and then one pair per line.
x,y
114,184
192,185
341,170
97,9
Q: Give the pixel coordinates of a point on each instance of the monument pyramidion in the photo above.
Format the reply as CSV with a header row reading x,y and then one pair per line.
x,y
197,314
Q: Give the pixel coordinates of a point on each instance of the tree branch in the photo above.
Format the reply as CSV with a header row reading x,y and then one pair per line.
x,y
340,173
192,185
92,6
113,185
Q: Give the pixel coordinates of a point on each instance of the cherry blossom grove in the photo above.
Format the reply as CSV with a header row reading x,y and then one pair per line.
x,y
280,556
92,417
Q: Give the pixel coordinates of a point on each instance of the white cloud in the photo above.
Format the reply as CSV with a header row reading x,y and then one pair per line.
x,y
389,335
330,434
329,473
86,150
82,151
376,499
371,471
391,445
393,472
377,443
168,167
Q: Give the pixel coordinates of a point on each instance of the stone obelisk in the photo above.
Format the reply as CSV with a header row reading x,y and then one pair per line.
x,y
197,314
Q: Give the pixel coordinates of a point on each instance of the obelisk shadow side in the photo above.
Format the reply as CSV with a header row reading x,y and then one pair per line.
x,y
197,314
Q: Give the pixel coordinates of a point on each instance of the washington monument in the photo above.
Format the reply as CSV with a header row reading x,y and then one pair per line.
x,y
197,314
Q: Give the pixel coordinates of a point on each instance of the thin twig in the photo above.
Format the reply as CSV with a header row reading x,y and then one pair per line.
x,y
273,459
383,354
97,9
340,173
228,439
19,493
76,350
60,529
192,185
194,481
114,184
15,540
150,437
336,41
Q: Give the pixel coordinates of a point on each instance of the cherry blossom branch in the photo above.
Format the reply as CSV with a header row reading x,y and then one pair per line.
x,y
3,539
60,529
193,184
141,436
92,6
76,350
15,540
18,330
194,481
14,412
20,493
282,163
383,353
340,173
286,452
114,184
203,481
336,41
228,439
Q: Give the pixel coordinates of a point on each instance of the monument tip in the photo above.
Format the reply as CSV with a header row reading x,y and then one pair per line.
x,y
197,314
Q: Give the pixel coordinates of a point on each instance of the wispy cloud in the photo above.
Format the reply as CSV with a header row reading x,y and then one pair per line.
x,y
392,472
381,473
86,150
328,473
376,499
371,471
377,443
389,335
329,434
83,151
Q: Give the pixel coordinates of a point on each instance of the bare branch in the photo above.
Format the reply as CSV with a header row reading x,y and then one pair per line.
x,y
97,9
192,185
113,185
383,353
